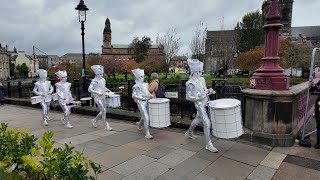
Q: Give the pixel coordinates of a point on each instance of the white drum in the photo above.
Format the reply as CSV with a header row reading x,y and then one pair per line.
x,y
55,97
36,99
226,120
159,112
113,101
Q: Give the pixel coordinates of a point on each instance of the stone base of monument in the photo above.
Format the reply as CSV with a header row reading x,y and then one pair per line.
x,y
275,118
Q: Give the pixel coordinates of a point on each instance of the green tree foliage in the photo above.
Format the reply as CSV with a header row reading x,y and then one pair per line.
x,y
140,48
22,70
249,32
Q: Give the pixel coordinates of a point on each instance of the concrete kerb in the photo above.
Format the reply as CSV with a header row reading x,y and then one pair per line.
x,y
120,114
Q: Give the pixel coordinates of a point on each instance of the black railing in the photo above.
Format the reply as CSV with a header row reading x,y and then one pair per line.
x,y
178,106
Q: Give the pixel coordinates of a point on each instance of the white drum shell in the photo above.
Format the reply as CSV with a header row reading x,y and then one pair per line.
x,y
159,112
226,119
55,97
36,99
113,101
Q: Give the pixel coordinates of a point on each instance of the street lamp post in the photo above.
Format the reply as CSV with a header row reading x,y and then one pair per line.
x,y
82,8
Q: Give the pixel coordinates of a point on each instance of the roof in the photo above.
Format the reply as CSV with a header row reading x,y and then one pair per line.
x,y
126,46
72,56
307,31
219,34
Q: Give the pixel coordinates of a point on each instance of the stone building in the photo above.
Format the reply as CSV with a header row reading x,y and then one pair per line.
x,y
20,57
4,63
220,50
179,62
122,51
48,61
71,58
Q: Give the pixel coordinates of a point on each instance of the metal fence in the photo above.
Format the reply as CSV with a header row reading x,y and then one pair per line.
x,y
179,106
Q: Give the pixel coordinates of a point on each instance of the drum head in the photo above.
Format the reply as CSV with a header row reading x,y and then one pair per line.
x,y
224,103
109,93
114,95
158,100
85,99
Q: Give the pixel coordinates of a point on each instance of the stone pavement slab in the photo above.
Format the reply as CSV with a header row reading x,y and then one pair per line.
x,y
97,145
159,152
109,175
149,172
282,150
247,154
188,169
74,140
176,157
262,173
204,177
144,144
102,132
273,160
289,171
132,165
116,156
310,153
122,138
228,169
222,145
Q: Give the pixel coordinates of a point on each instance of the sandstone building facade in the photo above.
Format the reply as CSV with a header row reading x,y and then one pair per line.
x,y
122,51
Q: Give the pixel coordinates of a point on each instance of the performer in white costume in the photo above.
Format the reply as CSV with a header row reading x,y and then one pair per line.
x,y
98,91
197,92
141,95
44,89
64,97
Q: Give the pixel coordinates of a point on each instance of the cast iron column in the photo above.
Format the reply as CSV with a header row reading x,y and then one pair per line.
x,y
270,76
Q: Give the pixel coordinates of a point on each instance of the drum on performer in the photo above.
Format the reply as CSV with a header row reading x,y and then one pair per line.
x,y
55,97
113,101
36,99
159,112
226,119
86,99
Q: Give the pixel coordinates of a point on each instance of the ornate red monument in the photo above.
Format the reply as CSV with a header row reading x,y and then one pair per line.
x,y
270,76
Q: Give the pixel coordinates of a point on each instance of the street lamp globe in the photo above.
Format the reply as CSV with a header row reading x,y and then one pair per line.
x,y
82,9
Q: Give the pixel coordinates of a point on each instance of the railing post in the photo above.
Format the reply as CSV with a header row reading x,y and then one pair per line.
x,y
129,94
19,89
76,89
182,95
9,91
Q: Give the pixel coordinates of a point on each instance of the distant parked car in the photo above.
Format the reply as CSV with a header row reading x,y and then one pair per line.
x,y
242,73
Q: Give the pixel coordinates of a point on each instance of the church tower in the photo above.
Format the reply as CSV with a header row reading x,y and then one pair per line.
x,y
107,34
286,13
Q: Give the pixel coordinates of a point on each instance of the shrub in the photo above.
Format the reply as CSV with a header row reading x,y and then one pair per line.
x,y
22,156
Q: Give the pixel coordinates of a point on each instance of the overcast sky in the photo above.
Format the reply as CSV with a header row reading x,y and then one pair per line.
x,y
53,26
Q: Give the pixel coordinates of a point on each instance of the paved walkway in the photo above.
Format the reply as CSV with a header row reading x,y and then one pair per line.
x,y
125,154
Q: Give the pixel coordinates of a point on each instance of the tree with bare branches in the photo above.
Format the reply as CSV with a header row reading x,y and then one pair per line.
x,y
198,43
170,42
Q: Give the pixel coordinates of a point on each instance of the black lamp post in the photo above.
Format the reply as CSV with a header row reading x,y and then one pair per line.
x,y
82,9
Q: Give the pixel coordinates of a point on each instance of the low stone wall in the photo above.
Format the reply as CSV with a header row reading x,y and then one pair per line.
x,y
120,114
275,118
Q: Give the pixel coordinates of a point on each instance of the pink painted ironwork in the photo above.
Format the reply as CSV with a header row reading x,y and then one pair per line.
x,y
270,76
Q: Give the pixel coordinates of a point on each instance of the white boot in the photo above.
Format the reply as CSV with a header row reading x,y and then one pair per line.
x,y
63,120
148,135
94,122
139,126
107,127
68,125
45,122
190,135
211,148
48,119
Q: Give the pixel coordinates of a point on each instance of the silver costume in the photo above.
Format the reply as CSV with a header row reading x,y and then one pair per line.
x,y
197,92
44,89
141,95
64,97
98,91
